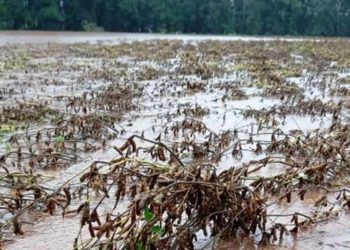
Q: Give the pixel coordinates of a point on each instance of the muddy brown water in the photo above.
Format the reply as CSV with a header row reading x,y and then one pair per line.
x,y
58,233
15,37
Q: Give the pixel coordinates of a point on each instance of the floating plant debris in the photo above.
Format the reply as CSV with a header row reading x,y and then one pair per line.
x,y
170,144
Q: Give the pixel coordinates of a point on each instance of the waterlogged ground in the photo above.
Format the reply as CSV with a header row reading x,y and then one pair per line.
x,y
273,113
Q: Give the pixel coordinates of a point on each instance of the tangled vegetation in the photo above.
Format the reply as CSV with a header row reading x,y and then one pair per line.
x,y
174,145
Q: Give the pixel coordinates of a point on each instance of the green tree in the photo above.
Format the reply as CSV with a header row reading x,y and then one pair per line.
x,y
13,14
254,17
44,14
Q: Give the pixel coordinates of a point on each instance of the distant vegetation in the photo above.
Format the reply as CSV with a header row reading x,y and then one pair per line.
x,y
258,17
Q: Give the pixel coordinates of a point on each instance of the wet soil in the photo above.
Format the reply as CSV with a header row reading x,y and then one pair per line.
x,y
164,80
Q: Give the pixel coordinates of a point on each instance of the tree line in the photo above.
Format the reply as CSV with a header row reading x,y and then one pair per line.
x,y
252,17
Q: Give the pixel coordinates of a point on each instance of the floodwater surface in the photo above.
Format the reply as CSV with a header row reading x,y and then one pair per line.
x,y
42,37
164,102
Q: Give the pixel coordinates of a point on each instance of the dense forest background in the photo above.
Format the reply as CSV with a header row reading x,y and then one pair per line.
x,y
258,17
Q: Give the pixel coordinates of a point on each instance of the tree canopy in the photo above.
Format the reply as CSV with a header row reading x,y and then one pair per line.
x,y
253,17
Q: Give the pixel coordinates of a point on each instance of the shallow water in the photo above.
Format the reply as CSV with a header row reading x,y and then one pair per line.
x,y
40,37
49,233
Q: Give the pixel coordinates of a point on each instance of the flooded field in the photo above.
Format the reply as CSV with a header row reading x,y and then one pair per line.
x,y
37,37
124,141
